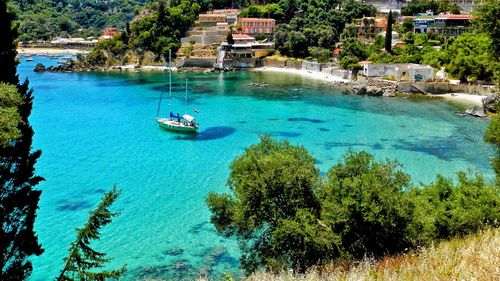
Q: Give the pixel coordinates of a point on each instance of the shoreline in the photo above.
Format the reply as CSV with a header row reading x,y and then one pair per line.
x,y
304,73
464,98
50,51
470,99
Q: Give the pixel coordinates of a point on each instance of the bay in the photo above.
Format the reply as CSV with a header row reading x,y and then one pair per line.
x,y
97,129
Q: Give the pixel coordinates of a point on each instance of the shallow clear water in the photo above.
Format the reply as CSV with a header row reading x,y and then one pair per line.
x,y
96,130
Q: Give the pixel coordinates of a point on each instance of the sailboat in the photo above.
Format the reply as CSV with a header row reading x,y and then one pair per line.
x,y
185,123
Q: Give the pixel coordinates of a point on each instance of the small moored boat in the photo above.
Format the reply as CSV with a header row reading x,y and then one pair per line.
x,y
185,123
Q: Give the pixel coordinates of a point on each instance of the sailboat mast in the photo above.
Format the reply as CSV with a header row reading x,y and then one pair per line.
x,y
169,83
170,75
185,105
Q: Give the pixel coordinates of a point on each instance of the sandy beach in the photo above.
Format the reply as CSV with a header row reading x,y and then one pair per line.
x,y
466,98
132,67
461,97
50,51
308,74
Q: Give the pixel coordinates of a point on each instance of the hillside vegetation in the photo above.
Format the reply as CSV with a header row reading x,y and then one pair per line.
x,y
475,257
46,19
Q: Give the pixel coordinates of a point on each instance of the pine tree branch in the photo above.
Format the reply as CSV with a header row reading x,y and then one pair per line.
x,y
81,256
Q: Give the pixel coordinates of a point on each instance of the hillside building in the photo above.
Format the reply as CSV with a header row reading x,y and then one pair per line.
x,y
446,24
370,26
256,25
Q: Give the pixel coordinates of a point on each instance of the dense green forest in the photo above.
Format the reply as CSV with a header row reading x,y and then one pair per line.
x,y
313,23
46,19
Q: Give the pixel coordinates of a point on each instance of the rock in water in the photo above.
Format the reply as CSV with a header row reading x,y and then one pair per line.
x,y
39,67
491,102
476,111
174,252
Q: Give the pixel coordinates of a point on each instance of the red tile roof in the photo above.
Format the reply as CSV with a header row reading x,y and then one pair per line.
x,y
242,36
255,20
454,17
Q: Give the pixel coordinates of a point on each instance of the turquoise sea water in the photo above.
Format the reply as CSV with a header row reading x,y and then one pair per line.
x,y
96,130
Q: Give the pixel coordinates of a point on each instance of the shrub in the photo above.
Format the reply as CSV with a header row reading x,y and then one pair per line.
x,y
364,203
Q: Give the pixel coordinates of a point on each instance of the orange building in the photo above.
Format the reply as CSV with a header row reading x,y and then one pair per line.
x,y
109,33
255,25
211,19
227,12
371,26
243,39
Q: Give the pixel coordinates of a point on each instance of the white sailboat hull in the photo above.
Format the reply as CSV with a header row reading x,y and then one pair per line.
x,y
174,125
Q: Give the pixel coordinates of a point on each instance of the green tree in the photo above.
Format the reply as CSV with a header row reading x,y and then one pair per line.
x,y
272,208
388,33
18,199
82,260
448,208
364,203
354,48
294,45
420,6
321,54
492,136
407,25
10,100
469,57
487,20
229,38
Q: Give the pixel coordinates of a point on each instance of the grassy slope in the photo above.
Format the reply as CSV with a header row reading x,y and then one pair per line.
x,y
476,257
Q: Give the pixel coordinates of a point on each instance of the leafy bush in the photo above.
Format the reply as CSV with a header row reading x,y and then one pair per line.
x,y
364,203
444,209
273,198
286,216
493,136
321,54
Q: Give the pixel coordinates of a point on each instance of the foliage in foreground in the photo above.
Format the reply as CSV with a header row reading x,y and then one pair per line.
x,y
18,198
475,257
285,215
82,260
493,136
10,100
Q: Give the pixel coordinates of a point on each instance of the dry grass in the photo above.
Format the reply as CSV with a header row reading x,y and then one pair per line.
x,y
476,257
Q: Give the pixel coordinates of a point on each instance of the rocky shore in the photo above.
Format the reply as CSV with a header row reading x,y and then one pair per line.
x,y
362,87
80,66
368,87
69,66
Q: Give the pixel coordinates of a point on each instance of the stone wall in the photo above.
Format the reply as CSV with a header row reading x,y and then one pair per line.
x,y
380,70
293,64
273,63
444,87
209,39
240,63
336,72
311,66
195,62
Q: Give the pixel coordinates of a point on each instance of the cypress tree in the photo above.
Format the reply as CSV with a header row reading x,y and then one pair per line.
x,y
229,38
8,36
388,33
82,259
18,200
